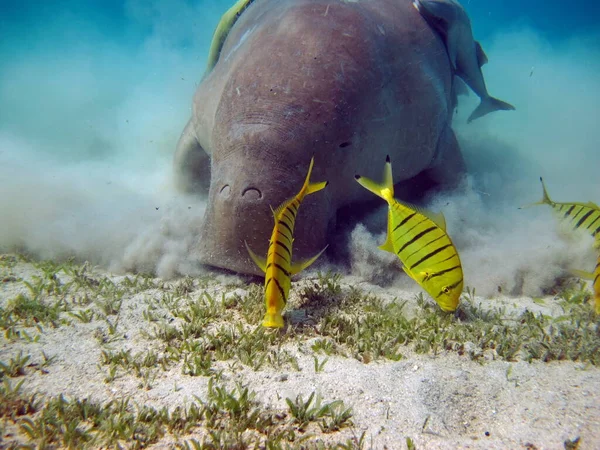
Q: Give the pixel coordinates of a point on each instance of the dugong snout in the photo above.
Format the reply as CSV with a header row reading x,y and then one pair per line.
x,y
249,193
240,209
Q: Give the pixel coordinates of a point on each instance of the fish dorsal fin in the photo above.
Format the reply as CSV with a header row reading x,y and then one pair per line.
x,y
593,205
224,26
280,208
301,265
581,274
260,262
481,56
437,218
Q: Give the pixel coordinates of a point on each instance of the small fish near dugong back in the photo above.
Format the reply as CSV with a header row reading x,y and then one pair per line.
x,y
466,55
346,81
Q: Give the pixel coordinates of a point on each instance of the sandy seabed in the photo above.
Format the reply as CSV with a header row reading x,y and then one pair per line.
x,y
441,400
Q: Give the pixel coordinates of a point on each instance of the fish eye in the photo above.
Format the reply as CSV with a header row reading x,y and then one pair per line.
x,y
446,290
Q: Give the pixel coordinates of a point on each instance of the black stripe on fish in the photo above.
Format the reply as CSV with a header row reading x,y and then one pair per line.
x,y
429,255
568,213
287,274
287,226
289,239
410,229
417,237
578,212
583,219
437,274
280,255
595,220
596,232
455,255
441,236
406,219
596,278
280,290
281,244
291,217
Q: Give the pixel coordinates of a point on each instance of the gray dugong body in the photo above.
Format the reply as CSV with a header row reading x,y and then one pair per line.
x,y
347,81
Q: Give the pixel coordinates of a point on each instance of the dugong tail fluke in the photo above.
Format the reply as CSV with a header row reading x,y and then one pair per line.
x,y
489,104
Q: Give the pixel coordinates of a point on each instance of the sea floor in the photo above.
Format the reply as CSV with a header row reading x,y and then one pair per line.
x,y
98,360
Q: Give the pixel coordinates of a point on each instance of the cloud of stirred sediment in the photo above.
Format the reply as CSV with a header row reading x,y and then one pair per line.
x,y
91,110
552,133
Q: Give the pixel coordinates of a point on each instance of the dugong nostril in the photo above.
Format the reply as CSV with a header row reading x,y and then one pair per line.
x,y
251,194
225,190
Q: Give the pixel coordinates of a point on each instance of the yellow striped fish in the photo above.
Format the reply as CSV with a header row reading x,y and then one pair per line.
x,y
577,216
278,266
420,241
596,283
223,28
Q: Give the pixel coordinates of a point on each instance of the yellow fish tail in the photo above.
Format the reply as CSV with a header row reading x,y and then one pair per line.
x,y
308,187
385,190
273,320
545,197
546,200
316,187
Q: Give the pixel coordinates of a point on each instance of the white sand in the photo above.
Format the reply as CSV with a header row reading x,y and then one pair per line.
x,y
444,401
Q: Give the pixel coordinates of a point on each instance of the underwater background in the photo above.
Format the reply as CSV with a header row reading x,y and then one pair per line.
x,y
93,97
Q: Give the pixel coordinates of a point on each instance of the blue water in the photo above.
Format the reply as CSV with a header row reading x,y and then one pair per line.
x,y
555,19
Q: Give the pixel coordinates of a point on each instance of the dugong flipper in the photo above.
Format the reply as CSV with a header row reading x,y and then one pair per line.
x,y
450,19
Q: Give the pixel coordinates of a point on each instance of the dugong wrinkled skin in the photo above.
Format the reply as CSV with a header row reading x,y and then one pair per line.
x,y
465,53
347,81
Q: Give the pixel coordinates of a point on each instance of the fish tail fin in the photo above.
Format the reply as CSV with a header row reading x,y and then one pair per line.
x,y
310,188
545,197
316,187
385,190
546,200
489,104
273,320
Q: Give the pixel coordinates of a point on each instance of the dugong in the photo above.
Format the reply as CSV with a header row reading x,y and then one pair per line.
x,y
346,81
466,54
